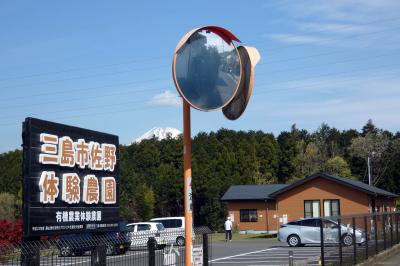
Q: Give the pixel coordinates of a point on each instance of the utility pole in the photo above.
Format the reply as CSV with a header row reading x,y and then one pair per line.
x,y
369,171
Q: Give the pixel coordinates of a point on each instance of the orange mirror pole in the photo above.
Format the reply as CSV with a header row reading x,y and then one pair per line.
x,y
187,174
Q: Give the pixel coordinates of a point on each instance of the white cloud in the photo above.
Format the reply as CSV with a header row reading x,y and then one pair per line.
x,y
338,28
167,98
344,10
331,22
354,110
298,39
376,82
348,105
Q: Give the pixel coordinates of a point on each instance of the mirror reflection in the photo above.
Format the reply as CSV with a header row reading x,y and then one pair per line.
x,y
207,70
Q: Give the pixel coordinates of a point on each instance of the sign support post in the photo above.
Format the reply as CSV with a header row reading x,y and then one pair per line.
x,y
187,173
209,73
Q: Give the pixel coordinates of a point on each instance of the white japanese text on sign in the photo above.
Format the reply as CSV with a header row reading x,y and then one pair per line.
x,y
64,152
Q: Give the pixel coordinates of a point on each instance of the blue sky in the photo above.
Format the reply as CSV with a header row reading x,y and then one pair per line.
x,y
106,65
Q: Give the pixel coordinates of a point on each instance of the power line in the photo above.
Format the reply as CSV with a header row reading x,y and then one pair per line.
x,y
343,72
146,90
78,77
85,89
137,61
257,92
96,114
160,79
308,56
75,109
80,68
80,98
318,84
113,73
128,71
332,63
337,39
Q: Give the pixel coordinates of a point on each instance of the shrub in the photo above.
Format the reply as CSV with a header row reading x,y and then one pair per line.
x,y
235,228
10,232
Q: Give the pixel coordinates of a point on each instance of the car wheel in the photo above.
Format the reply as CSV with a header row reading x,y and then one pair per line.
x,y
293,240
110,250
180,241
347,240
65,251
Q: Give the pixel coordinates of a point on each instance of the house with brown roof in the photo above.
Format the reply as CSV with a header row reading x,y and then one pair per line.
x,y
264,208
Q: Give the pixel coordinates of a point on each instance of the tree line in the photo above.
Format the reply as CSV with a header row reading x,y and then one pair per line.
x,y
152,175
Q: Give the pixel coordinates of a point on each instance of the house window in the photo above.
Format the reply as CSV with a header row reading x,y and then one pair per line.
x,y
332,207
248,215
311,208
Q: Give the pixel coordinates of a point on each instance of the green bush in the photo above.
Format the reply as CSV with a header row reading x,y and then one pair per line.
x,y
235,228
7,206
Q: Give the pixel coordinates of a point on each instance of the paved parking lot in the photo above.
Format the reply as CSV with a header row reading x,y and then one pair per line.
x,y
272,252
243,252
271,256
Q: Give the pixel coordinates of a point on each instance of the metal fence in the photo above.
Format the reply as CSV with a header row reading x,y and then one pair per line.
x,y
348,240
131,248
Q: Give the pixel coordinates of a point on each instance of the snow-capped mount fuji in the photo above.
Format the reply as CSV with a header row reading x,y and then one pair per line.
x,y
160,134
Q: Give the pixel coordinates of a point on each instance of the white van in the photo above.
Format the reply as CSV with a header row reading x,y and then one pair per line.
x,y
175,226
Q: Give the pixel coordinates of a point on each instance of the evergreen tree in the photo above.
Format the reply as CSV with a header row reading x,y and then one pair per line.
x,y
11,172
288,161
151,172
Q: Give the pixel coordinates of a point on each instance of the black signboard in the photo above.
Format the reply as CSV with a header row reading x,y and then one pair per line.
x,y
71,179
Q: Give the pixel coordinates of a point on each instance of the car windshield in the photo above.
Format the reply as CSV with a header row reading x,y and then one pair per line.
x,y
125,228
329,223
160,227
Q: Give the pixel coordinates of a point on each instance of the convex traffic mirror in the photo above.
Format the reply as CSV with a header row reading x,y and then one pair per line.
x,y
210,72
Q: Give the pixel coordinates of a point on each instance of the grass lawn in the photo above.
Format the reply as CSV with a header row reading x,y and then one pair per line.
x,y
236,236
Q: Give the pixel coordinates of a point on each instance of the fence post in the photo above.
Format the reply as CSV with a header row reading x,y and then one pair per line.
x,y
98,255
376,233
354,242
340,241
205,249
384,230
290,257
366,236
321,231
391,229
52,257
151,245
397,227
30,254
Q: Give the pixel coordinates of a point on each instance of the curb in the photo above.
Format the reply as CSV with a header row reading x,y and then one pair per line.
x,y
385,254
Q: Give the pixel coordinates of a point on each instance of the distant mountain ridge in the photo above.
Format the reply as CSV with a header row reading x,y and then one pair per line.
x,y
159,133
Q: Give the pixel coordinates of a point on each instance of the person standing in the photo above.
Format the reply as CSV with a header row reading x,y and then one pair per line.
x,y
228,229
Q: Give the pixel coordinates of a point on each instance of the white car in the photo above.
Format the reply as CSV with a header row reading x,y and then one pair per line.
x,y
175,229
140,234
